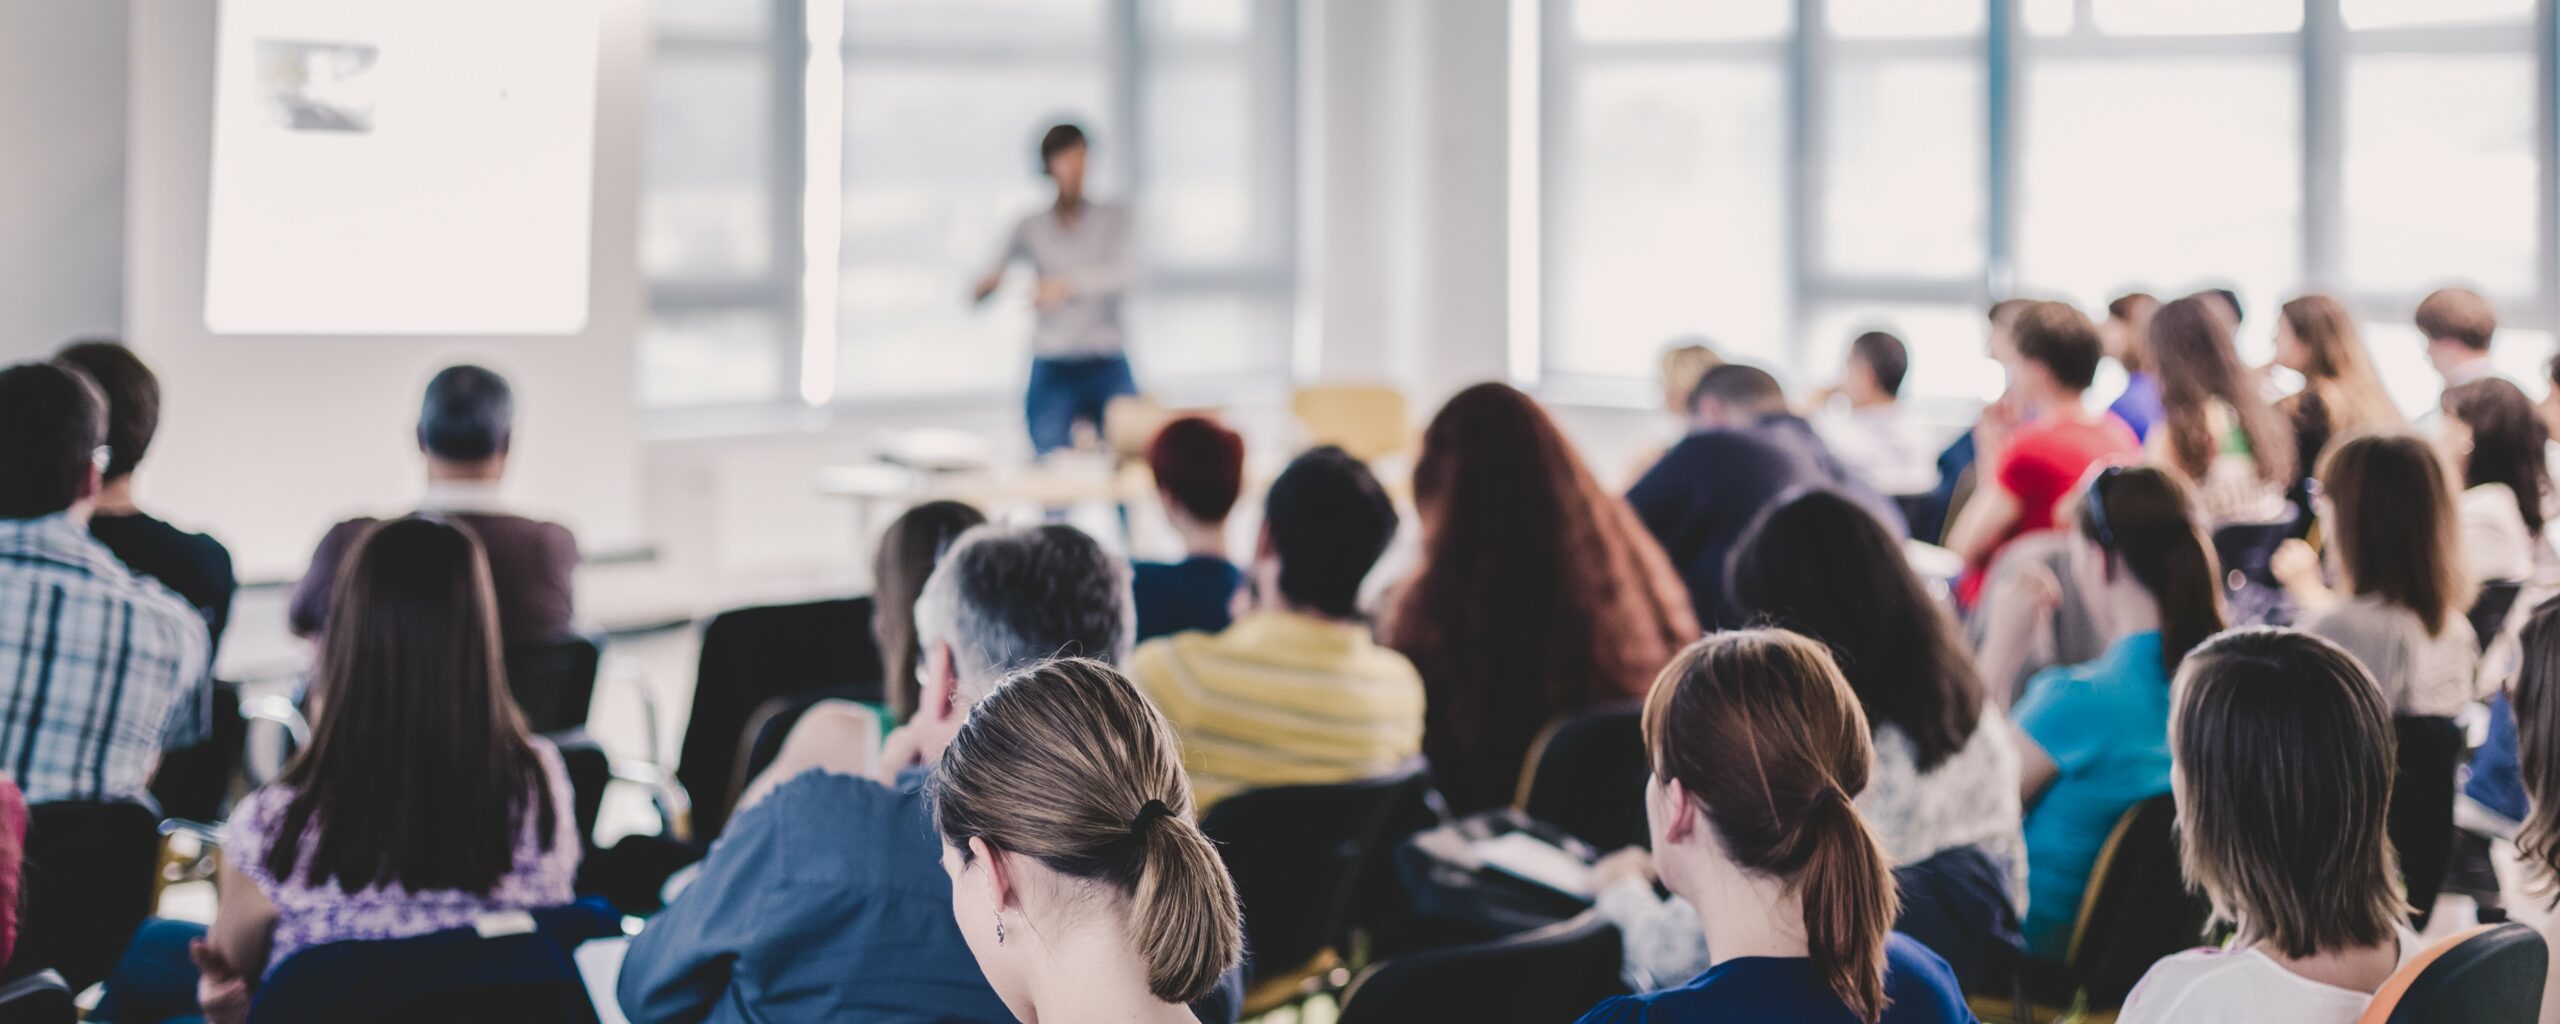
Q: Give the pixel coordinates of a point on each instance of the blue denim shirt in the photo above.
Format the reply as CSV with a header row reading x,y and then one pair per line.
x,y
825,902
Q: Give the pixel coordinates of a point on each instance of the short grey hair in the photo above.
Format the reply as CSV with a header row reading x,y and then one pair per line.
x,y
1009,598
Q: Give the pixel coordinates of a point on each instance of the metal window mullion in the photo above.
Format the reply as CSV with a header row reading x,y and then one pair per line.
x,y
2001,32
1129,73
1558,77
2546,38
2323,68
787,54
1801,174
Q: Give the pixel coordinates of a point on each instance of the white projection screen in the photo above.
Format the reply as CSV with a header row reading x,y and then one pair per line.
x,y
401,167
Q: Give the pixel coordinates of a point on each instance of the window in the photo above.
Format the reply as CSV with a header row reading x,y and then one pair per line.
x,y
931,141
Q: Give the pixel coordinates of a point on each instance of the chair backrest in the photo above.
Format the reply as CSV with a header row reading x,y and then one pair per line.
x,y
2489,610
194,783
1297,853
2492,972
88,884
554,681
2247,551
1586,776
760,740
590,771
39,998
1367,420
1554,973
443,976
752,655
2137,908
2422,798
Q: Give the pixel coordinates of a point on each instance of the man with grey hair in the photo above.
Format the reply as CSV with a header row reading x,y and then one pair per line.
x,y
825,899
466,426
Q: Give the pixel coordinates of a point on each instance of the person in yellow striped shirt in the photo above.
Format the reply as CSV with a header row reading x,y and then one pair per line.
x,y
1296,691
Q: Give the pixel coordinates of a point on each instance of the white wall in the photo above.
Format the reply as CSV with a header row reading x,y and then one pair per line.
x,y
266,440
62,170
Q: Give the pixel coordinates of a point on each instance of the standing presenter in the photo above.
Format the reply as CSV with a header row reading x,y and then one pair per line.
x,y
1080,252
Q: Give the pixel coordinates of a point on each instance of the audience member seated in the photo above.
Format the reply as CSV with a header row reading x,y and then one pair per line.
x,y
1946,770
822,902
420,805
1875,436
104,669
2536,699
2489,431
2126,336
2458,325
1538,594
196,566
1958,459
1745,452
466,427
2284,763
2037,444
1078,874
1296,692
2340,394
2387,512
2215,426
1199,470
2094,738
1758,750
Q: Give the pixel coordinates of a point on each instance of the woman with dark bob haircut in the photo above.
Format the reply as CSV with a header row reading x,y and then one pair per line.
x,y
2283,755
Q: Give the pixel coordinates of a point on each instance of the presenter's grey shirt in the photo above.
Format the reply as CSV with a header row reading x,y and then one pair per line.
x,y
1094,258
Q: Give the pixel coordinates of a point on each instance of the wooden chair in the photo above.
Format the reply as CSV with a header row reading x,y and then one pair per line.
x,y
1367,420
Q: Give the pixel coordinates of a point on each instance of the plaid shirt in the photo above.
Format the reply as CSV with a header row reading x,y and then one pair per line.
x,y
100,670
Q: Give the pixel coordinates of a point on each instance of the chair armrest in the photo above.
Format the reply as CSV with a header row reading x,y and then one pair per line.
x,y
278,710
675,806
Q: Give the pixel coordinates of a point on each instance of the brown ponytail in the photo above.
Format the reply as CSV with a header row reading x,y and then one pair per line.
x,y
2143,520
1760,727
1066,763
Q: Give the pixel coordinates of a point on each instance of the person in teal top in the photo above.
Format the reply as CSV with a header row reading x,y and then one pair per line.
x,y
2094,737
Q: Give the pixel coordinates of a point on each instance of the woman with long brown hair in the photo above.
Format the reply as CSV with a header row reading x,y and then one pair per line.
x,y
1539,594
2493,437
1759,751
2536,699
2340,394
2388,512
420,805
2215,427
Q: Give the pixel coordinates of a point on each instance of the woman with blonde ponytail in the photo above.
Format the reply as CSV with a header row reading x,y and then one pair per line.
x,y
1078,877
1759,750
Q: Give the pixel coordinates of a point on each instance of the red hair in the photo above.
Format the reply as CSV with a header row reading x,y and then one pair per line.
x,y
1200,465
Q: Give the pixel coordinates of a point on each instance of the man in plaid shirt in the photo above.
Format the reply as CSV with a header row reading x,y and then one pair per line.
x,y
100,670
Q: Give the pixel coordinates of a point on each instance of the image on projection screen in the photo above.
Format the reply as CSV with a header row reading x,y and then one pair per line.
x,y
387,167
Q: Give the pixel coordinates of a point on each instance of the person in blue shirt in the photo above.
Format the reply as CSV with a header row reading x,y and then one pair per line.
x,y
1759,749
2094,737
2127,335
1199,470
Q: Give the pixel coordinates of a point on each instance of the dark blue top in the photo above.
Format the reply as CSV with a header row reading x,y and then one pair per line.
x,y
1178,597
2139,406
1708,488
1786,990
825,902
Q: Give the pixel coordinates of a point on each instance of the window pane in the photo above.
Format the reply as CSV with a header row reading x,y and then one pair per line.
x,y
2107,205
2439,171
735,19
1903,168
1199,19
2196,17
2396,13
712,357
1051,23
1669,218
1664,20
707,211
1949,358
1200,204
2048,17
1209,333
2400,356
1905,18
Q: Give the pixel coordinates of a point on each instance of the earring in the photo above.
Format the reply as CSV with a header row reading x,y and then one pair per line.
x,y
999,928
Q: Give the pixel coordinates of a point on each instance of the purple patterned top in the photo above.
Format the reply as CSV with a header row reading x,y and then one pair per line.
x,y
308,915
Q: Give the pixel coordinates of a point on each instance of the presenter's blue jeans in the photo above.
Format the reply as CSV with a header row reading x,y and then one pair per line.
x,y
1065,389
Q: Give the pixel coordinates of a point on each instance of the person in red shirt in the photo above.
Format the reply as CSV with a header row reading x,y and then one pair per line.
x,y
2035,446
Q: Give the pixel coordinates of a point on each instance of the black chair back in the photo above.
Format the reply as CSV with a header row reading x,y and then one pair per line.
x,y
1586,776
555,681
1297,854
39,998
1554,973
2246,552
760,741
2489,610
2422,798
752,655
2495,973
2138,909
88,885
590,771
194,783
443,976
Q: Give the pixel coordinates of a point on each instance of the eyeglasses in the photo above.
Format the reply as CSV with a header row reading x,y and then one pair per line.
x,y
2097,501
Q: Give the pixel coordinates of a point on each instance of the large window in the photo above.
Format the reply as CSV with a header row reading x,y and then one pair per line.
x,y
1777,176
925,125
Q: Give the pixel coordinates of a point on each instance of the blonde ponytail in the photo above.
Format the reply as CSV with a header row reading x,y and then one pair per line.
x,y
1188,924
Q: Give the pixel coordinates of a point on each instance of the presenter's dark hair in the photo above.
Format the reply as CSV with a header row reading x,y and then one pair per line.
x,y
468,415
1329,521
133,398
52,420
420,772
1060,138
